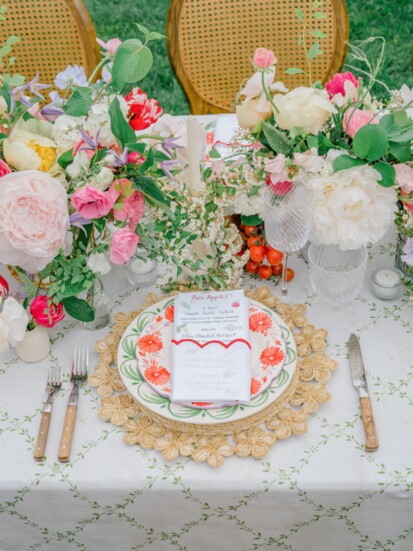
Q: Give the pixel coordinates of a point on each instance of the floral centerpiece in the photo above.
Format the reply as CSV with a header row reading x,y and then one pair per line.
x,y
350,148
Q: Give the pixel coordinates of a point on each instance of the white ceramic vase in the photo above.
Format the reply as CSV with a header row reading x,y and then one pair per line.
x,y
35,345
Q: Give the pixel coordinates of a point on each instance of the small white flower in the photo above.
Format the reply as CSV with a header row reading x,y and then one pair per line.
x,y
99,263
104,178
13,323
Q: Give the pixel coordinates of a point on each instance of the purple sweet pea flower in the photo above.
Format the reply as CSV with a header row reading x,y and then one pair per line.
x,y
79,222
91,143
169,145
408,250
166,165
35,87
122,159
17,94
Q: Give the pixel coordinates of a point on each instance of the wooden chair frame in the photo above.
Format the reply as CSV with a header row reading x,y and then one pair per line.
x,y
198,105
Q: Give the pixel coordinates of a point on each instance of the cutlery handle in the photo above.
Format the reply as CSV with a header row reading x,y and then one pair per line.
x,y
67,434
42,436
372,441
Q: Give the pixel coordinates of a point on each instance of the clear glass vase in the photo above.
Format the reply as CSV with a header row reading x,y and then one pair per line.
x,y
97,297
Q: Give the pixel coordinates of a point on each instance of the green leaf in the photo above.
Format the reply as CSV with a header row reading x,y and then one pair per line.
x,y
29,287
79,102
370,142
319,34
78,309
277,140
148,187
319,15
312,141
148,163
388,174
253,220
119,125
344,161
214,154
314,50
15,80
143,30
8,45
155,36
401,151
294,71
132,63
65,159
402,135
387,122
401,118
298,13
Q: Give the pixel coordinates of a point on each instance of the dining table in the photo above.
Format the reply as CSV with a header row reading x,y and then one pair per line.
x,y
314,492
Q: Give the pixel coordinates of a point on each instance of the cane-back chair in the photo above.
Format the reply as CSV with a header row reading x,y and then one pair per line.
x,y
53,33
211,44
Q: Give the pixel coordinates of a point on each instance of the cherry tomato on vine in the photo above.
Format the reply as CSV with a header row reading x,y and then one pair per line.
x,y
250,230
252,267
277,269
264,272
255,240
274,257
290,274
257,253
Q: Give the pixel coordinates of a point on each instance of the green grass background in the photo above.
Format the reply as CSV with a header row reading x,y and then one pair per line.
x,y
392,19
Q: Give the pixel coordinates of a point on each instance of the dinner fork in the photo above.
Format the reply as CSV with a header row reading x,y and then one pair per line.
x,y
54,384
80,368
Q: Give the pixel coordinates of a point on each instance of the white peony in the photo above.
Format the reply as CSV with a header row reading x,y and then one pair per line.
x,y
13,323
99,263
351,209
303,107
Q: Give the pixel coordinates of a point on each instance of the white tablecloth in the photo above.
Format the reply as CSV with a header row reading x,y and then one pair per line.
x,y
316,492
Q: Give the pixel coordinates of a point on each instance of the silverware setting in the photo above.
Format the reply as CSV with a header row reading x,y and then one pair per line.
x,y
54,384
358,374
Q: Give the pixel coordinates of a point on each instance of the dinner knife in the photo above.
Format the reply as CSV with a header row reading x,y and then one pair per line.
x,y
358,374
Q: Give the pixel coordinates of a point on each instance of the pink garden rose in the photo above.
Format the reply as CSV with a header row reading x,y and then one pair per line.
x,y
123,246
354,119
45,312
111,45
90,202
404,177
264,58
4,168
34,219
336,84
133,203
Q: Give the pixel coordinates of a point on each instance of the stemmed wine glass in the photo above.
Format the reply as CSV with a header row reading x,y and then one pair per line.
x,y
287,220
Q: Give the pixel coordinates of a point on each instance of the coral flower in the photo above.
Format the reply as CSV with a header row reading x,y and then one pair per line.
x,y
271,356
150,343
157,375
170,313
255,386
260,323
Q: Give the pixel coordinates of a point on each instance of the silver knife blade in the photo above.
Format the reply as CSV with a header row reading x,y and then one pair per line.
x,y
358,372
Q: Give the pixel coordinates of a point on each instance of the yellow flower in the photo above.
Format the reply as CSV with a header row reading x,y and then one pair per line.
x,y
30,146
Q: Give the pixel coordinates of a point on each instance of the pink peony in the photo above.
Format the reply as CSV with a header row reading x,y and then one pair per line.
x,y
111,45
34,219
90,202
45,312
4,168
264,58
143,112
336,84
404,177
123,246
354,119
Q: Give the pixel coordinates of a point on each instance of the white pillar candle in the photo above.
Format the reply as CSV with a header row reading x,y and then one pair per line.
x,y
196,137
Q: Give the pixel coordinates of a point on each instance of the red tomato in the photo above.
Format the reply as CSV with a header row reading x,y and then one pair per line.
x,y
255,240
252,267
290,274
264,272
250,230
257,253
277,269
274,257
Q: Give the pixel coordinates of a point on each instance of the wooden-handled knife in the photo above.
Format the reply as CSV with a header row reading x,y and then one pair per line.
x,y
358,374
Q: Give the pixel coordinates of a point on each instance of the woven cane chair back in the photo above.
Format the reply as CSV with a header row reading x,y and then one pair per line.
x,y
53,33
211,44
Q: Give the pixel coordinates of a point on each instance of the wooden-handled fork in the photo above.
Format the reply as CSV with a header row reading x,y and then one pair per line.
x,y
54,384
79,375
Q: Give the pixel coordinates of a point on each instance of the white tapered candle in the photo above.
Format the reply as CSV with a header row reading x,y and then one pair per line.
x,y
196,136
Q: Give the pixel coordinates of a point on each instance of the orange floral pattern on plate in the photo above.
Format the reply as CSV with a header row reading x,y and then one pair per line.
x,y
271,355
260,323
150,343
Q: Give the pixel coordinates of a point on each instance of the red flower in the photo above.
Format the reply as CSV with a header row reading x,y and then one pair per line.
x,y
336,84
255,386
157,375
142,111
4,168
45,312
4,287
260,323
271,355
170,313
150,343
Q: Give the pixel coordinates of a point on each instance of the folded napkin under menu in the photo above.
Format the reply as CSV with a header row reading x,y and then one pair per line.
x,y
211,353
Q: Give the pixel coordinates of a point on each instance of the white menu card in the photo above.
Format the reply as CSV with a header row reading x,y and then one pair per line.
x,y
211,354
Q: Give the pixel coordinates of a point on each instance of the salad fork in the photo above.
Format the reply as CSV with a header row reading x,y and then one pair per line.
x,y
54,384
79,375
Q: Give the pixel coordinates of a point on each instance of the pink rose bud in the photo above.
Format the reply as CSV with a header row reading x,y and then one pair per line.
x,y
4,168
336,84
123,246
45,312
90,202
354,119
264,58
404,177
111,45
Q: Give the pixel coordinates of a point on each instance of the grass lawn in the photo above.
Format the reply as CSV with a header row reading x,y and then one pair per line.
x,y
392,19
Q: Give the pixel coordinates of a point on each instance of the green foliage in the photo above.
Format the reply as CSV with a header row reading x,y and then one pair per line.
x,y
80,102
133,61
344,161
388,174
119,125
65,159
277,141
69,276
79,309
370,142
253,220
